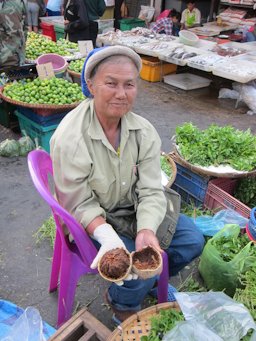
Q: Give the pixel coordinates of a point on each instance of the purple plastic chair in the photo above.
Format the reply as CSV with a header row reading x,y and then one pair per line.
x,y
71,260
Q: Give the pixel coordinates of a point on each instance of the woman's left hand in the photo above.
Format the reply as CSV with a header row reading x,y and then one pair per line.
x,y
66,22
145,238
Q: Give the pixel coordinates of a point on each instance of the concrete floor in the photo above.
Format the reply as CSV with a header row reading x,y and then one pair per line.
x,y
25,266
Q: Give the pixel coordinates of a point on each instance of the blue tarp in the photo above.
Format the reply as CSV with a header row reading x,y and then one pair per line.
x,y
9,313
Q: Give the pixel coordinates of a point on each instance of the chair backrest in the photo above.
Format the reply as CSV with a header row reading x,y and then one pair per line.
x,y
40,168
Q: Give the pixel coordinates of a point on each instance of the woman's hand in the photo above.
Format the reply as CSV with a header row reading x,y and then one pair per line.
x,y
145,238
66,22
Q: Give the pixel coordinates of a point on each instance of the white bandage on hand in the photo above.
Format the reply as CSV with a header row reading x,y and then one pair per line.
x,y
109,240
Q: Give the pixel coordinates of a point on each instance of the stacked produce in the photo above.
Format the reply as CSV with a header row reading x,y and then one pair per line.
x,y
76,65
217,146
47,91
66,44
22,147
37,45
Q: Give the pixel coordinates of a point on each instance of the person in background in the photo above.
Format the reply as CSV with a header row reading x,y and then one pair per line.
x,y
111,180
169,25
191,16
33,14
13,30
95,9
251,34
54,7
76,20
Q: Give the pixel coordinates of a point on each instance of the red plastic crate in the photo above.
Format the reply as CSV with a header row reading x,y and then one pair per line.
x,y
48,30
219,196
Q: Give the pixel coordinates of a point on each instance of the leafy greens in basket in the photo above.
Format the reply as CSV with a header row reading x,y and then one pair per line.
x,y
217,146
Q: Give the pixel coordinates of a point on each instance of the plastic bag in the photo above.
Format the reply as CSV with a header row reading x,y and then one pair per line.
x,y
218,274
146,13
248,95
191,331
227,93
9,148
26,144
28,327
209,226
230,320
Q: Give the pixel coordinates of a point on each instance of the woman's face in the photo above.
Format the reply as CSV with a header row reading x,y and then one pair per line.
x,y
114,87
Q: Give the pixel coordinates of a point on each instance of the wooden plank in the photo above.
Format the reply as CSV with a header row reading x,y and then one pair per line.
x,y
82,326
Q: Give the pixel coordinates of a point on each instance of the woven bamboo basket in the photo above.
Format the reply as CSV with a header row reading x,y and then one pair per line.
x,y
197,169
41,109
139,324
174,169
75,76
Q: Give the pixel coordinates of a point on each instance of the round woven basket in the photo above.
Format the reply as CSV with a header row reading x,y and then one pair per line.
x,y
139,324
173,167
197,169
40,108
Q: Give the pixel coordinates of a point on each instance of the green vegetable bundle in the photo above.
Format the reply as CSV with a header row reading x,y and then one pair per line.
x,y
162,323
246,191
9,148
217,146
247,294
225,258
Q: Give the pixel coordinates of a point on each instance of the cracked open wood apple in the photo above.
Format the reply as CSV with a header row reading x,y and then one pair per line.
x,y
115,265
147,262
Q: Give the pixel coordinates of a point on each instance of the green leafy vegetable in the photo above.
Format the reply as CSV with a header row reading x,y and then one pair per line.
x,y
217,146
165,165
230,246
46,231
246,191
162,323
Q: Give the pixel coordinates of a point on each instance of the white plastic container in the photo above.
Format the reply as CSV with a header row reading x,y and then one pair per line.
x,y
187,81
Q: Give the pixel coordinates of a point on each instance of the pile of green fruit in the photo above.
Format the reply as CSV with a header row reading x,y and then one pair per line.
x,y
46,91
66,44
76,65
37,45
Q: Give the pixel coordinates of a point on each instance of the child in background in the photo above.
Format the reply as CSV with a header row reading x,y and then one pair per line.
x,y
169,25
191,16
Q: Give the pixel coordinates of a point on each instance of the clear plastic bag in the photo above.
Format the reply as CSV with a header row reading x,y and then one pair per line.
x,y
28,327
211,225
228,93
191,331
230,320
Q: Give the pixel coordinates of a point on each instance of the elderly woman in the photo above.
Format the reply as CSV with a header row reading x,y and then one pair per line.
x,y
107,173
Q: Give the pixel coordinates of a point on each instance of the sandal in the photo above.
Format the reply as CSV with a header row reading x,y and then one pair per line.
x,y
171,290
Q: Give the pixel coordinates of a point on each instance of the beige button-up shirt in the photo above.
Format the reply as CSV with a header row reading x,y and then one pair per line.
x,y
91,178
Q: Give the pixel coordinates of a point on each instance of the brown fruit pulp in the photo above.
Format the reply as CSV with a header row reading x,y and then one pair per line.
x,y
115,263
146,258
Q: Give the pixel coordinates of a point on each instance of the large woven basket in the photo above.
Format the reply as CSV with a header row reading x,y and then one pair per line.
x,y
197,169
41,109
174,170
139,324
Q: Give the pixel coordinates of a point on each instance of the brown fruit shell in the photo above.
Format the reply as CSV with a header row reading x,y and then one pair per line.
x,y
120,278
148,273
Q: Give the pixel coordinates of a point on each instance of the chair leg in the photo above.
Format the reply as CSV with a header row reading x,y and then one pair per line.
x,y
162,287
69,277
55,264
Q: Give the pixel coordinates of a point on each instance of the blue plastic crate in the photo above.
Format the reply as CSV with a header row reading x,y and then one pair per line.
x,y
42,120
191,186
34,130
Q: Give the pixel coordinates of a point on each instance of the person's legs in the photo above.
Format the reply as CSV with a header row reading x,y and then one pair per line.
x,y
29,17
250,37
186,245
93,31
34,16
